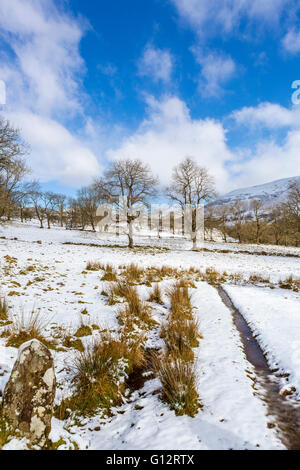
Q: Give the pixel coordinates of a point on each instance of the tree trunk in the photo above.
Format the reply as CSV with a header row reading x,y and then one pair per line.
x,y
130,235
195,245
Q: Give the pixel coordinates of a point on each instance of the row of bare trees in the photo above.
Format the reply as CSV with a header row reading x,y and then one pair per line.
x,y
253,222
134,181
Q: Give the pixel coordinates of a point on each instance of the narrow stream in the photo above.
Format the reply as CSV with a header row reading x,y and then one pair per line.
x,y
285,412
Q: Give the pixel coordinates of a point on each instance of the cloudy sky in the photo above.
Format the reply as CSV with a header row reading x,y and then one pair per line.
x,y
89,81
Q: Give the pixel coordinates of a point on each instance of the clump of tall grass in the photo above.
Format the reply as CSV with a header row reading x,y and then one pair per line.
x,y
180,338
26,327
100,371
3,310
213,277
180,300
156,295
110,273
178,379
5,430
135,311
118,291
133,273
155,274
93,266
290,283
176,369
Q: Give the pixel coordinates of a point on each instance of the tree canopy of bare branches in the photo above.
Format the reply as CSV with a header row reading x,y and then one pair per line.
x,y
12,166
191,186
133,181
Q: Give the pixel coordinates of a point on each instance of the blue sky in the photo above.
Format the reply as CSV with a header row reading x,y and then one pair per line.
x,y
90,81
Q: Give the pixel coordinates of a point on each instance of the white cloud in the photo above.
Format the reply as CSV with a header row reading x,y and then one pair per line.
x,y
269,115
43,71
45,43
56,153
169,134
270,161
291,41
216,71
156,63
226,16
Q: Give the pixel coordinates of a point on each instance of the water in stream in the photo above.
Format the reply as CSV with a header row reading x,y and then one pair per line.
x,y
285,412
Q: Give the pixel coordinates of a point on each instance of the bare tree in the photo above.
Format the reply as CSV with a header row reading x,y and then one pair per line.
x,y
61,204
49,206
257,208
191,185
238,209
292,208
133,181
24,199
278,223
88,199
35,198
12,166
11,144
73,214
222,215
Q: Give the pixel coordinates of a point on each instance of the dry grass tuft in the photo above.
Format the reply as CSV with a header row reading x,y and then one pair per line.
x,y
180,299
178,379
180,338
290,283
83,330
156,295
93,266
133,273
3,310
5,430
110,273
99,373
135,312
27,327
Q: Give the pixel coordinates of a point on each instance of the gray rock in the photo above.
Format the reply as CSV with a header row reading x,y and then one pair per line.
x,y
29,393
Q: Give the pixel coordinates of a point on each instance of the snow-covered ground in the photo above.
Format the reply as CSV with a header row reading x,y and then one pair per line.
x,y
233,416
274,317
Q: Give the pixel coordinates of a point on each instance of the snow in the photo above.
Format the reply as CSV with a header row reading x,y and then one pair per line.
x,y
233,416
275,318
274,192
223,423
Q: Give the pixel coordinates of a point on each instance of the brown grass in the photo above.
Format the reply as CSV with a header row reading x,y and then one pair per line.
x,y
110,273
3,310
133,273
97,373
290,283
180,338
83,330
93,266
178,379
180,300
5,430
27,327
135,312
156,295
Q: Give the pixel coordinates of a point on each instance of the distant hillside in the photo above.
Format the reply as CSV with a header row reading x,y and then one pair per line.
x,y
269,193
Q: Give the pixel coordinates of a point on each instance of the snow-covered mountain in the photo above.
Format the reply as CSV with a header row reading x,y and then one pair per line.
x,y
269,193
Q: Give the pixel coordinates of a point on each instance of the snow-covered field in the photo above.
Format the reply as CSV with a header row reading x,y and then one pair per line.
x,y
233,415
